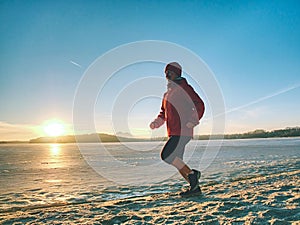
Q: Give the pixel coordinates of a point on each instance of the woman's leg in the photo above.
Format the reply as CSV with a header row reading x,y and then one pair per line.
x,y
183,169
172,153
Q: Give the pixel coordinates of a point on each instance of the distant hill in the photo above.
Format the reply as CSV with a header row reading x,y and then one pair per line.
x,y
13,142
96,137
287,132
84,138
124,134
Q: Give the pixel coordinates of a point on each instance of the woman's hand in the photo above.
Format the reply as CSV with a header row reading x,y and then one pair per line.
x,y
152,125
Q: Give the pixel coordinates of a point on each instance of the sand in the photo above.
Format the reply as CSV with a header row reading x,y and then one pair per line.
x,y
272,199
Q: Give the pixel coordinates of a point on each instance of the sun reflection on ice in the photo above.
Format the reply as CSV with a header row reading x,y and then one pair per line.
x,y
54,156
55,149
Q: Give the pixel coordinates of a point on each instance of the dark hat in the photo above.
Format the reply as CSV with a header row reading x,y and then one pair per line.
x,y
175,67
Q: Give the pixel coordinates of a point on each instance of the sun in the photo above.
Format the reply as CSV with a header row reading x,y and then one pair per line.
x,y
54,128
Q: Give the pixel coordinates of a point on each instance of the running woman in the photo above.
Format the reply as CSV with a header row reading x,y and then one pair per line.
x,y
181,109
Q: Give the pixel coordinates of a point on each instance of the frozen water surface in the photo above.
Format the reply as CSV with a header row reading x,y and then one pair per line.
x,y
255,181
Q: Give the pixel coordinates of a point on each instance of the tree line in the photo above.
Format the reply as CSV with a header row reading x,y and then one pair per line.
x,y
259,133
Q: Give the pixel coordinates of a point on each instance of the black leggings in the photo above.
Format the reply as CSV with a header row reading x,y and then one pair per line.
x,y
174,148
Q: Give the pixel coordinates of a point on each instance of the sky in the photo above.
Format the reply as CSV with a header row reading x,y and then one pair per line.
x,y
252,48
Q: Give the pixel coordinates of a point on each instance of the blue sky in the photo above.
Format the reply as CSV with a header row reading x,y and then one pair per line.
x,y
251,46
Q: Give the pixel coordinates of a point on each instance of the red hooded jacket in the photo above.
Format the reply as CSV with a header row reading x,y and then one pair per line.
x,y
180,105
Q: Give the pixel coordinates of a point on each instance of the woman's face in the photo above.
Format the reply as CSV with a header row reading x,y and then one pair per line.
x,y
170,75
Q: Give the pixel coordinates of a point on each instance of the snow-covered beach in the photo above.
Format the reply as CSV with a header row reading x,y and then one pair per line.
x,y
249,182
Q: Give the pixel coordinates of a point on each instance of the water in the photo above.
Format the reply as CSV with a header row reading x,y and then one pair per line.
x,y
43,176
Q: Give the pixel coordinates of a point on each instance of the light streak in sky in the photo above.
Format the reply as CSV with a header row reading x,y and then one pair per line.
x,y
258,100
263,98
76,64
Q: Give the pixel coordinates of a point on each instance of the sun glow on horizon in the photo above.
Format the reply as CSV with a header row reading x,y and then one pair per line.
x,y
54,128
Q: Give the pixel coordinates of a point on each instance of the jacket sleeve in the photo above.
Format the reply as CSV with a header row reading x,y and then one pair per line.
x,y
160,119
198,106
